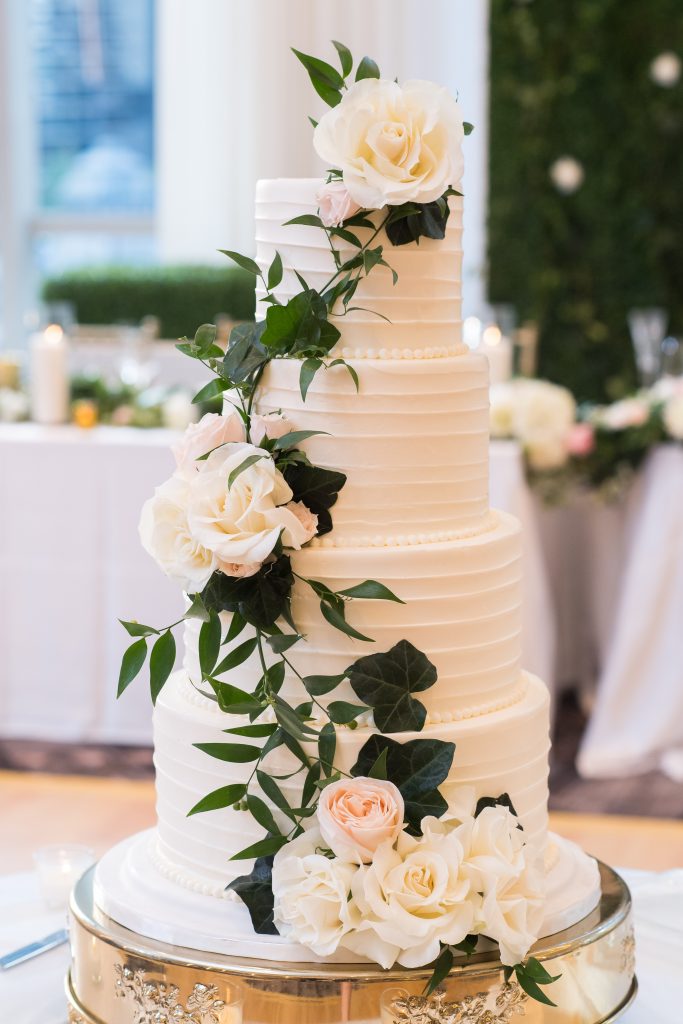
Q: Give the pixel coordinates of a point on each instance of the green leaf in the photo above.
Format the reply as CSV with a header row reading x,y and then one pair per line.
x,y
264,848
494,801
318,686
243,261
310,783
248,462
341,712
227,695
281,643
351,371
531,987
371,590
209,644
211,390
467,127
367,69
345,58
534,969
226,796
137,629
325,79
371,257
245,352
261,599
309,368
310,220
276,676
412,221
442,968
327,747
237,624
313,121
237,753
274,793
336,619
386,681
197,609
317,488
204,337
295,437
348,236
275,272
262,814
131,663
379,768
255,731
289,721
161,662
256,892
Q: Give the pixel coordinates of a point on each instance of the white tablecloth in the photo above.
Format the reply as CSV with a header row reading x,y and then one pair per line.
x,y
33,992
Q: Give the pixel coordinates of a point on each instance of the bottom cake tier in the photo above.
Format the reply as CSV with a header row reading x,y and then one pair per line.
x,y
119,975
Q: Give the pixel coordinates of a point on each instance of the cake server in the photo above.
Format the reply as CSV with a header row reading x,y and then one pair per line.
x,y
24,953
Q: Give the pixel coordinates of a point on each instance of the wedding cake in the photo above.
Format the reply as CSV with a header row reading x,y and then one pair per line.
x,y
352,763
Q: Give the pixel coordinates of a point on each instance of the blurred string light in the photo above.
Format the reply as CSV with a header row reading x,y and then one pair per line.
x,y
665,69
567,174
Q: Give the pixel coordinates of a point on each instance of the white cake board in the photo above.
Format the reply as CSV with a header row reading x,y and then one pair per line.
x,y
129,889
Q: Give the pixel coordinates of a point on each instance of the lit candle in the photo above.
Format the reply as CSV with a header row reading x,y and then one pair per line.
x,y
59,868
471,331
498,350
50,376
9,370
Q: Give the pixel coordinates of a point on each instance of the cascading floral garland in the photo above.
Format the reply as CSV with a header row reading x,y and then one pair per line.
x,y
245,495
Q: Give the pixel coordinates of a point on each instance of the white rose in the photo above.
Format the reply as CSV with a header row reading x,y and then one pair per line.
x,y
271,425
199,438
628,412
310,893
357,815
502,406
543,409
165,533
412,897
335,205
548,452
178,412
506,871
393,144
673,417
241,524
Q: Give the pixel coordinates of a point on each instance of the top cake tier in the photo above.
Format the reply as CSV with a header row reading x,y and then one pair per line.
x,y
423,307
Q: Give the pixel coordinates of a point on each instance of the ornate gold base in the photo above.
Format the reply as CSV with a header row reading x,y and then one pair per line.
x,y
120,977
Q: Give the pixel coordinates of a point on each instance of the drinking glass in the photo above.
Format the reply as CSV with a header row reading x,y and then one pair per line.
x,y
59,867
648,329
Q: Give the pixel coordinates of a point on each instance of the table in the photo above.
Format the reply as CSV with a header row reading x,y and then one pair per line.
x,y
32,993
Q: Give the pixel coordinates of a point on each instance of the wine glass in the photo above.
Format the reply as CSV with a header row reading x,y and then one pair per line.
x,y
648,329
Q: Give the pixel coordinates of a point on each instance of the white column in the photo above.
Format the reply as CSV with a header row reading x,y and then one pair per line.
x,y
232,102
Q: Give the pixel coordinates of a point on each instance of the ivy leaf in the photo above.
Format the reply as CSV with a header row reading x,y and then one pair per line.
x,y
256,892
341,712
442,968
211,390
209,644
379,768
243,261
408,223
318,686
161,662
386,682
299,326
197,609
131,663
345,58
137,629
275,272
327,747
236,753
371,590
317,488
226,796
309,368
245,352
335,617
325,79
282,642
262,814
367,69
263,848
261,599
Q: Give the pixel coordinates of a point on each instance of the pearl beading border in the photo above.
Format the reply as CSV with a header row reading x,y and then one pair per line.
x,y
489,523
430,352
186,879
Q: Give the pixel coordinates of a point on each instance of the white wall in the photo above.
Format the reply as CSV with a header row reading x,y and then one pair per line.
x,y
232,102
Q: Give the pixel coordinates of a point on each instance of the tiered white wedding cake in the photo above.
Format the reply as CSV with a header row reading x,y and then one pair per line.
x,y
444,601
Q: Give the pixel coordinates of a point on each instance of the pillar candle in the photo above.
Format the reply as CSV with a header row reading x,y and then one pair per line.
x,y
49,381
498,350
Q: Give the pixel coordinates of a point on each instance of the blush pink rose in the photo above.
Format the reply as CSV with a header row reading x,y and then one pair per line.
x,y
210,432
308,519
581,439
357,815
272,426
335,205
237,570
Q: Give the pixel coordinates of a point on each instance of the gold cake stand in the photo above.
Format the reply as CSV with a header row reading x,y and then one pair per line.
x,y
120,977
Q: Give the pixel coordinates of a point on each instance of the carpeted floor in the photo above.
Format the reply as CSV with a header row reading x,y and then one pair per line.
x,y
650,795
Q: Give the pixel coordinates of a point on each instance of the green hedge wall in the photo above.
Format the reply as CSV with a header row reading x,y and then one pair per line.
x,y
182,297
573,79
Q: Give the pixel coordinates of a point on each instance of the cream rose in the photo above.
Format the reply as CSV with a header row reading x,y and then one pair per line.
x,y
165,533
502,405
629,412
210,432
356,815
673,417
310,893
546,452
542,410
393,144
412,897
271,425
335,205
241,523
